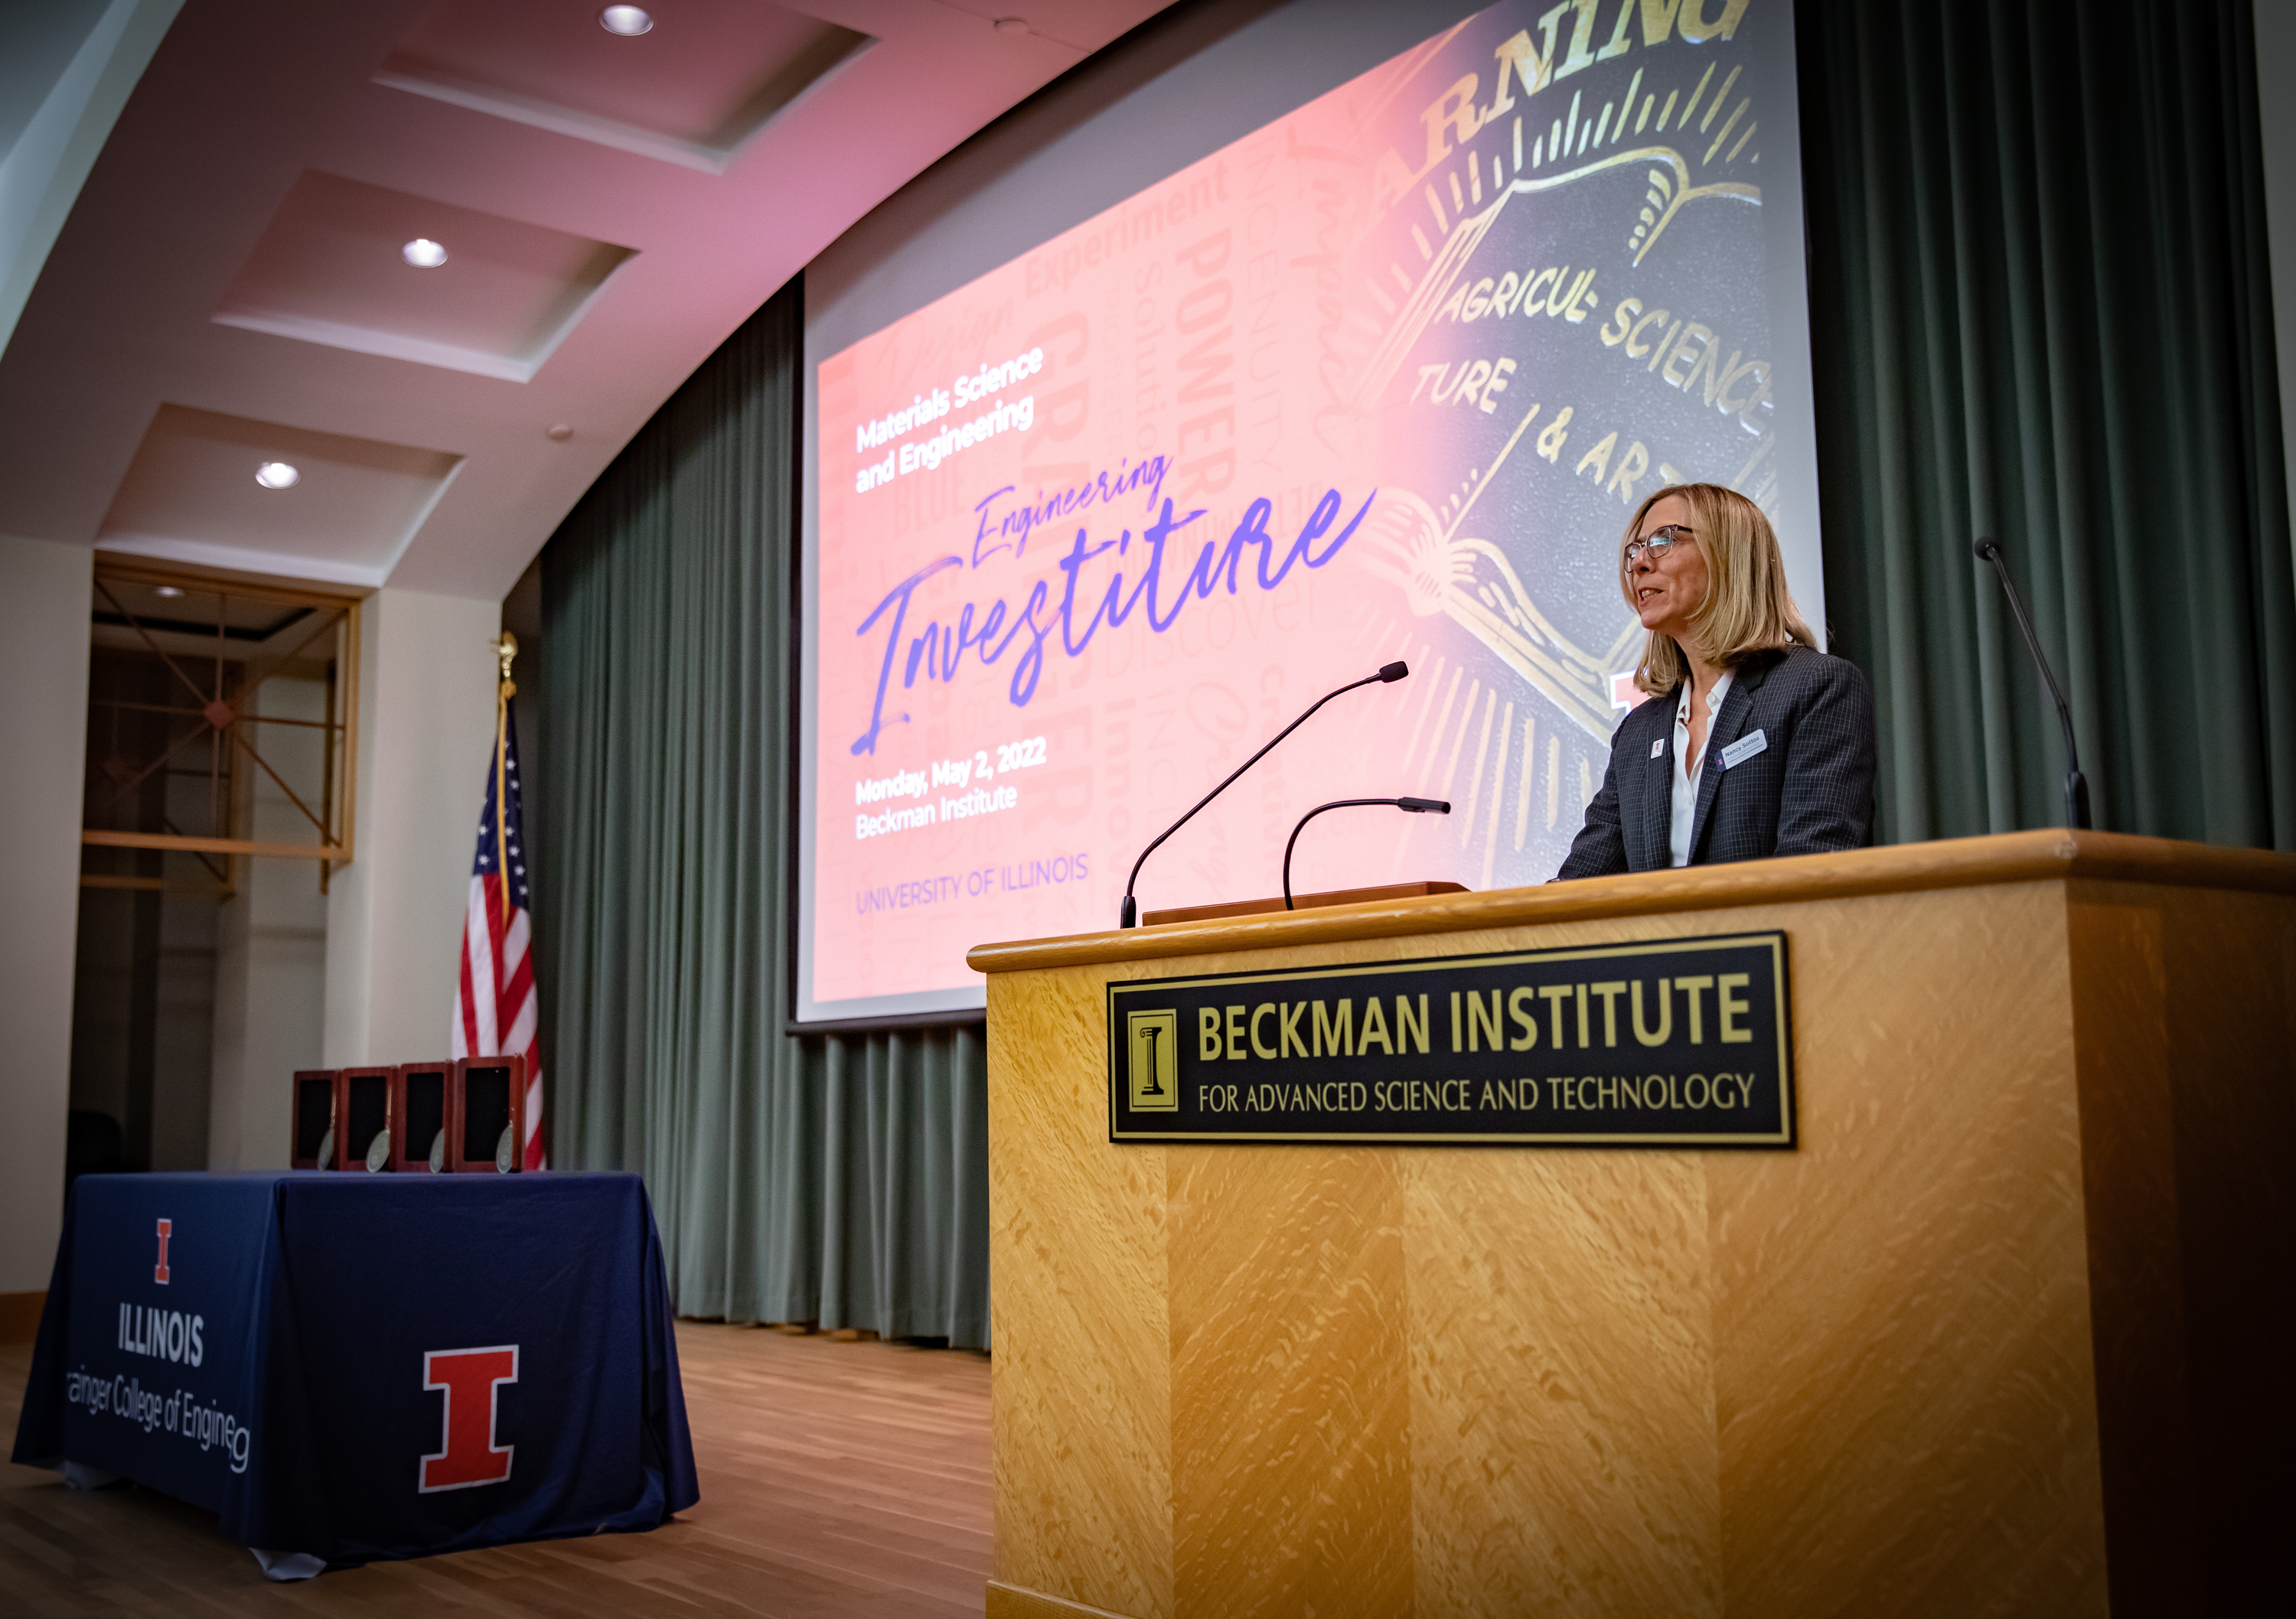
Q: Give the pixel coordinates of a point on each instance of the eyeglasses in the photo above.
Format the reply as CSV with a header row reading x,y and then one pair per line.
x,y
1657,542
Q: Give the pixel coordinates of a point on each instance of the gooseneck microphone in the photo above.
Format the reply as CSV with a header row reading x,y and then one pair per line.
x,y
1409,807
2076,784
1129,917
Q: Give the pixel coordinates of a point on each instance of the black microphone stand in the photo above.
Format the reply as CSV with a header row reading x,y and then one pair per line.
x,y
1410,807
2076,784
1130,916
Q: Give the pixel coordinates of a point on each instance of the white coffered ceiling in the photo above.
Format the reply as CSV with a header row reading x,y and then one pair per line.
x,y
228,286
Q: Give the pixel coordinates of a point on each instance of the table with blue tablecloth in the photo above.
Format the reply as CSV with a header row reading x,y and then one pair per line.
x,y
351,1366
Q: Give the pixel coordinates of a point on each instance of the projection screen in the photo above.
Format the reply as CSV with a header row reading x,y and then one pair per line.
x,y
1381,380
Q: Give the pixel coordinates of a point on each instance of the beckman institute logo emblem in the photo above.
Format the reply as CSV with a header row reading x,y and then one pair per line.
x,y
1154,1042
472,1380
159,1270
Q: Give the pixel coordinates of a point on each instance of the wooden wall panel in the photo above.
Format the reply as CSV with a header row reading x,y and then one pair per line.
x,y
1562,1353
1077,1319
2201,1049
2120,1010
1290,1417
1905,1392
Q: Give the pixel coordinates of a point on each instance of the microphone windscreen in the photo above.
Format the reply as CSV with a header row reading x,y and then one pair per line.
x,y
1984,548
1424,806
1394,671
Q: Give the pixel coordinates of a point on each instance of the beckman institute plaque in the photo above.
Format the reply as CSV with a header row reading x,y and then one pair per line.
x,y
1674,1043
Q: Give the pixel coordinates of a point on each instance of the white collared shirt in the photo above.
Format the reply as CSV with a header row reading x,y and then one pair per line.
x,y
1686,780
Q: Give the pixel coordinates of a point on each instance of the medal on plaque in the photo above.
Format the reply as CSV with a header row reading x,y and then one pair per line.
x,y
439,1153
327,1148
503,1149
378,1153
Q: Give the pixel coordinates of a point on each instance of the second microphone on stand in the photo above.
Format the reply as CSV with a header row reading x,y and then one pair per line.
x,y
1411,806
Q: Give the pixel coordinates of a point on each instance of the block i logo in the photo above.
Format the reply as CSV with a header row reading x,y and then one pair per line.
x,y
1153,1042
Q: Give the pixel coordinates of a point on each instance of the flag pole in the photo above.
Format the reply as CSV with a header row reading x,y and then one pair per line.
x,y
506,649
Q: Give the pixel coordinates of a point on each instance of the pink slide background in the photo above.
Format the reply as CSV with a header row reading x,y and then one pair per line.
x,y
1378,380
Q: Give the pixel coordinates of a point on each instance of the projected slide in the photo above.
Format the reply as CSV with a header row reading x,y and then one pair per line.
x,y
1381,381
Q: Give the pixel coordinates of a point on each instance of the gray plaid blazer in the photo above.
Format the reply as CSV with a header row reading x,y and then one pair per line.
x,y
1811,788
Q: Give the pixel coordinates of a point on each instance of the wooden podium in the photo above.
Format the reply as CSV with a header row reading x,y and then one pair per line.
x,y
2004,1332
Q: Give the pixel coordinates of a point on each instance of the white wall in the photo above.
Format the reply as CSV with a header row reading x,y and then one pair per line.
x,y
395,915
271,950
43,608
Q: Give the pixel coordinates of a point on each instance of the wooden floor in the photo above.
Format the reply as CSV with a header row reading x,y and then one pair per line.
x,y
836,1479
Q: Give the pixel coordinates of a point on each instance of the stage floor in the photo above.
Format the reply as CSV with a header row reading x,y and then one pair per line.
x,y
846,1479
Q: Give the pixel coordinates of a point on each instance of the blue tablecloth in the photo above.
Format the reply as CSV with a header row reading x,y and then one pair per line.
x,y
359,1366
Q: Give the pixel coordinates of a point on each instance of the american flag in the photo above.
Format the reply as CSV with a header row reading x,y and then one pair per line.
x,y
497,1009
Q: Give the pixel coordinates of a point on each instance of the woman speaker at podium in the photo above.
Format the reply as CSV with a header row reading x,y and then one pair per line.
x,y
1755,743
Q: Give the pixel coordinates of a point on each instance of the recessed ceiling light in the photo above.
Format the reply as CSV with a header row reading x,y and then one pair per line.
x,y
627,20
558,432
1010,25
276,475
423,253
166,593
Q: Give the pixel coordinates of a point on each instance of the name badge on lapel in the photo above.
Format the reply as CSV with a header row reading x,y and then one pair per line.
x,y
1745,748
1658,749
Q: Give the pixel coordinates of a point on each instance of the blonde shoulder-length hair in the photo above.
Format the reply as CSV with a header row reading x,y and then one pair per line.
x,y
1747,609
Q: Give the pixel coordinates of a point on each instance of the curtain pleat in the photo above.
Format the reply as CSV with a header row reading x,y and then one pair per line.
x,y
843,1179
2041,312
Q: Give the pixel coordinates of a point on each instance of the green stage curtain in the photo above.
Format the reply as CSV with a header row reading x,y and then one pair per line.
x,y
842,1180
2041,311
